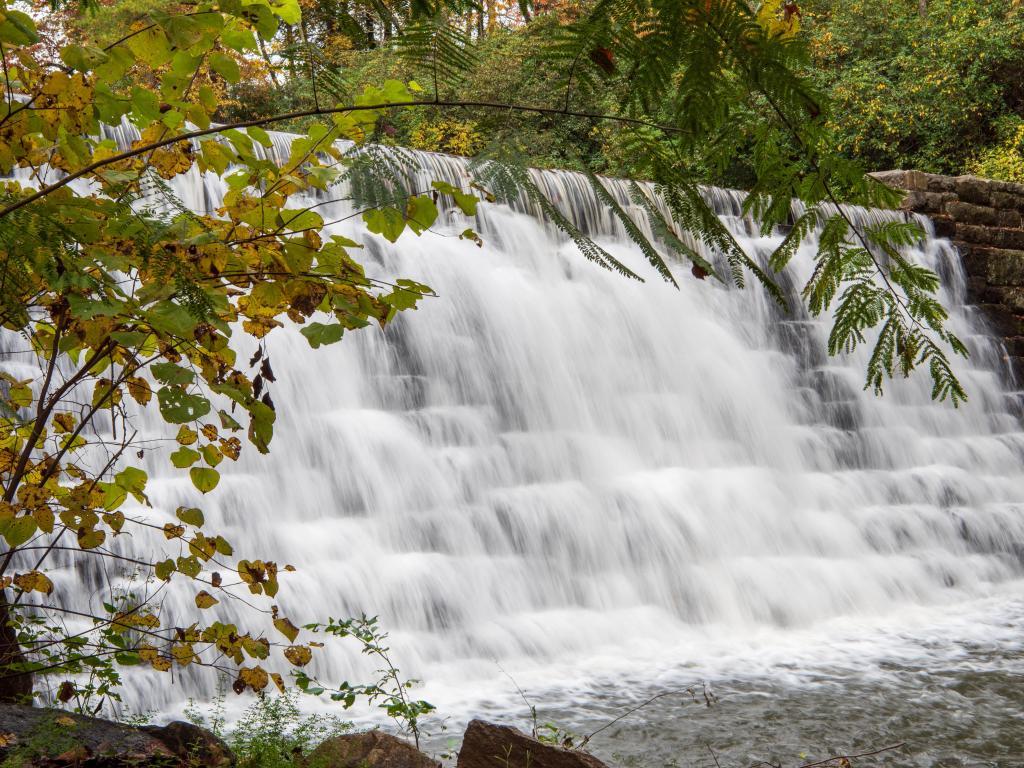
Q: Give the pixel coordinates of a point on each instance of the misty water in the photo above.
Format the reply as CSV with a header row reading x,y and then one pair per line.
x,y
605,490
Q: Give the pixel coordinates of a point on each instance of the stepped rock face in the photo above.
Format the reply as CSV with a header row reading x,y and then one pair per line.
x,y
985,220
372,749
486,745
47,738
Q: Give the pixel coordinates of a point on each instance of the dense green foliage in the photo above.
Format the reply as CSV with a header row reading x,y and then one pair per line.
x,y
942,93
930,93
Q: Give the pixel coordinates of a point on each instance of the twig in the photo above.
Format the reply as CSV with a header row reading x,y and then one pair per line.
x,y
851,757
533,709
638,707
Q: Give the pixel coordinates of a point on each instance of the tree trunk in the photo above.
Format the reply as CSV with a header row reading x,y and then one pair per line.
x,y
922,8
15,687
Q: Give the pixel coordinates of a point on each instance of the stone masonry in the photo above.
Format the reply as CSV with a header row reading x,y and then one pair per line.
x,y
985,221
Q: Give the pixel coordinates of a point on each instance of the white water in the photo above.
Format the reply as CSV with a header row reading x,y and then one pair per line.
x,y
583,478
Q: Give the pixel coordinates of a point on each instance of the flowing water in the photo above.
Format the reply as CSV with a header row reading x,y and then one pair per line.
x,y
606,490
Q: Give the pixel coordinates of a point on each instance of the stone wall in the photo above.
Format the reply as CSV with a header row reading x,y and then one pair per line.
x,y
985,220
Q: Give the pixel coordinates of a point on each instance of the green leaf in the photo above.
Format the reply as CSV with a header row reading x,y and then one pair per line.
x,y
297,220
172,318
113,496
91,539
189,566
465,201
204,478
238,37
164,569
81,58
226,67
385,221
212,455
261,426
133,481
17,28
227,421
150,46
260,135
288,10
318,334
17,530
184,457
179,407
169,373
421,213
182,31
191,516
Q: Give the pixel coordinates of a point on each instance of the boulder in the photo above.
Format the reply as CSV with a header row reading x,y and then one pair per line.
x,y
373,749
486,745
33,737
192,744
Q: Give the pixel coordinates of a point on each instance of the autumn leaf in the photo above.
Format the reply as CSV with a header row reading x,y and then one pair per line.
x,y
33,581
205,600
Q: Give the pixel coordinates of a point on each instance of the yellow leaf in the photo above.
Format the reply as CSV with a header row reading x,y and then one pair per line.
x,y
286,628
64,422
205,600
255,678
33,581
183,654
140,390
298,655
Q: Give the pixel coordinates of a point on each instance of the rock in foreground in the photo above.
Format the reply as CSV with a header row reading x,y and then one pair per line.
x,y
373,749
33,737
486,745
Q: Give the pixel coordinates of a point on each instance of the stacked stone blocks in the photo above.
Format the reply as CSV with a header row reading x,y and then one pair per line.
x,y
985,221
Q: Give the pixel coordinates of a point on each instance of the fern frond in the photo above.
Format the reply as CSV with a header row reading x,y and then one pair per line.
x,y
494,174
664,232
632,230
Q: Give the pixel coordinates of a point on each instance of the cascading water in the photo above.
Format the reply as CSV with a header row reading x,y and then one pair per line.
x,y
599,485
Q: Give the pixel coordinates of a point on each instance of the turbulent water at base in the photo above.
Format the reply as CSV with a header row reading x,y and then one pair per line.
x,y
607,489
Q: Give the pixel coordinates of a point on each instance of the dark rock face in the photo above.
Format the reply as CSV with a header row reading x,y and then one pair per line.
x,y
50,738
498,746
373,749
192,744
984,220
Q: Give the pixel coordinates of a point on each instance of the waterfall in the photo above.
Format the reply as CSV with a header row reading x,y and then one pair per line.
x,y
560,471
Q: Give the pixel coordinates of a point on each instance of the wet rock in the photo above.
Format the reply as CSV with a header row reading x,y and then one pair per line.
x,y
944,226
486,745
373,749
192,744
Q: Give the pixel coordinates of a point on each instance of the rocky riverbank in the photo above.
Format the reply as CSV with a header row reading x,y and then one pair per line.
x,y
33,737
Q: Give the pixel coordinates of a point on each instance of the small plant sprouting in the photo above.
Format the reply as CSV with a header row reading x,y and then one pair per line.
x,y
390,691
